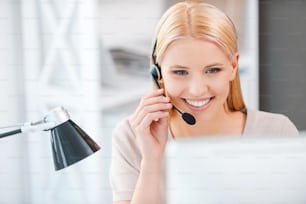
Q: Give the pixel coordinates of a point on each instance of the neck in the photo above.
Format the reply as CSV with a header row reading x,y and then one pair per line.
x,y
225,123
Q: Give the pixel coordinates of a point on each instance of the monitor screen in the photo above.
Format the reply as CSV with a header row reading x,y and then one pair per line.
x,y
237,170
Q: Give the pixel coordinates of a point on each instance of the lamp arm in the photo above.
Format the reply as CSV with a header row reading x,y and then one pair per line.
x,y
33,127
9,133
29,127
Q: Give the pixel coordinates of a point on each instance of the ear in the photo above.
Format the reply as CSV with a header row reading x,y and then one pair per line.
x,y
235,61
161,83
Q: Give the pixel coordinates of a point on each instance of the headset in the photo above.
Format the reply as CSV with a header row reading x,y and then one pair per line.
x,y
155,72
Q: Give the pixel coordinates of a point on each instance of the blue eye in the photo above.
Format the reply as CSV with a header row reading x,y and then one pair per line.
x,y
180,72
213,70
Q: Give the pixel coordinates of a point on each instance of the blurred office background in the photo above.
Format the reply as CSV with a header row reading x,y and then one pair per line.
x,y
92,58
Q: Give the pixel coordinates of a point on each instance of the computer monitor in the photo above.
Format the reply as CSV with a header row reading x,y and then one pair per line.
x,y
236,170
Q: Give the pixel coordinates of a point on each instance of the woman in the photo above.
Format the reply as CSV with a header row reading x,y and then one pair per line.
x,y
197,56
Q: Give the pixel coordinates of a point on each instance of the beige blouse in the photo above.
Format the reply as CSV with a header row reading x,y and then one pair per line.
x,y
126,156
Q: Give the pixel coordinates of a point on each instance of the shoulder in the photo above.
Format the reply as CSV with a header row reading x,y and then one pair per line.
x,y
265,116
123,134
125,161
260,122
123,127
125,147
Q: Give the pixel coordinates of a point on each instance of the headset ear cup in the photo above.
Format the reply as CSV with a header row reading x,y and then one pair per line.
x,y
154,70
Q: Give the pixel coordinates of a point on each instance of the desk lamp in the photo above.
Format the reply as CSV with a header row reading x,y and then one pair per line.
x,y
70,143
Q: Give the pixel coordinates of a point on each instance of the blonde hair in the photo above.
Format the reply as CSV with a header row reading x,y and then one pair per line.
x,y
201,20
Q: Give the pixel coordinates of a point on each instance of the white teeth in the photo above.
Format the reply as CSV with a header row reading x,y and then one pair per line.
x,y
197,103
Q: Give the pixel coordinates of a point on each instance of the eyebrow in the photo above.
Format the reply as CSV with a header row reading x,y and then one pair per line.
x,y
207,66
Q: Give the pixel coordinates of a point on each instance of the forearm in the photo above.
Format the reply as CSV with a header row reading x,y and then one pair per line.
x,y
148,184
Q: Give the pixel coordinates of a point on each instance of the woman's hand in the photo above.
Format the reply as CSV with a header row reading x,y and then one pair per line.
x,y
150,124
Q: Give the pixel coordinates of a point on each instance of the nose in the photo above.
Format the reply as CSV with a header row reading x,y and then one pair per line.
x,y
198,86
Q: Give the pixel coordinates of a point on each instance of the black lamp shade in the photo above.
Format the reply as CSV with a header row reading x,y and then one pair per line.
x,y
70,144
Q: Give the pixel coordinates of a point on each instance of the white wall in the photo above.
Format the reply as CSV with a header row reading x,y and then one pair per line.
x,y
129,23
12,158
29,89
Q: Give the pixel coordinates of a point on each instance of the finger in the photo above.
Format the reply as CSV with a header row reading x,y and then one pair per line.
x,y
150,117
141,114
156,107
156,103
146,101
163,124
152,98
157,92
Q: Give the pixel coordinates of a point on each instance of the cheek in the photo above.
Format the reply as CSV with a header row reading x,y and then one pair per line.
x,y
226,90
224,81
221,87
173,89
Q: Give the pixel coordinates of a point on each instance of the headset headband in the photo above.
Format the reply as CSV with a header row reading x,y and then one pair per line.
x,y
153,53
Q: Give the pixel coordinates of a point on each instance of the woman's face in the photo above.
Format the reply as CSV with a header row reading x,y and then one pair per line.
x,y
196,75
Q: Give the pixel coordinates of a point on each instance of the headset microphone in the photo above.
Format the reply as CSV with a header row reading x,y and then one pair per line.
x,y
156,75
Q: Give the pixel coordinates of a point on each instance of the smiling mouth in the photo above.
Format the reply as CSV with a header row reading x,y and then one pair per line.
x,y
198,103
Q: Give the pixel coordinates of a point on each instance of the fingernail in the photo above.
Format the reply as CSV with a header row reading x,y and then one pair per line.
x,y
169,105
